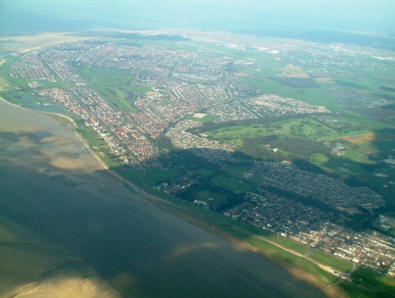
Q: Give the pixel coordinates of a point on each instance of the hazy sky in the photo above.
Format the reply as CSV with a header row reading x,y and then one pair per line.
x,y
362,15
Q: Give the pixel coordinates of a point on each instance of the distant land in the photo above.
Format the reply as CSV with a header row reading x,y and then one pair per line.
x,y
32,23
333,37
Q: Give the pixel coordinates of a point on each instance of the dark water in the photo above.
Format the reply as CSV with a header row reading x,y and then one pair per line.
x,y
51,186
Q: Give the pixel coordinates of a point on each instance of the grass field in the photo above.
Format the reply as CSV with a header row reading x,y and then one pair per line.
x,y
240,172
203,172
277,254
303,127
338,264
114,84
206,195
206,119
231,183
382,286
357,134
99,146
348,146
290,244
154,176
315,96
300,127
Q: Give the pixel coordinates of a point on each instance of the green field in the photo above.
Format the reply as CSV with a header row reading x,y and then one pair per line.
x,y
380,285
232,184
357,135
154,176
303,127
338,264
279,255
315,96
114,84
290,136
206,195
203,172
353,148
300,127
206,119
98,145
290,244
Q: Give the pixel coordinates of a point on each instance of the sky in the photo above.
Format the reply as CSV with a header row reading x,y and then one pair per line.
x,y
250,15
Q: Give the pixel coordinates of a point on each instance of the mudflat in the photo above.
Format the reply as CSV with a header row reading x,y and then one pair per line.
x,y
66,224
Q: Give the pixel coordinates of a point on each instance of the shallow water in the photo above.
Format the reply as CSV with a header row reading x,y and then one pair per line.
x,y
52,187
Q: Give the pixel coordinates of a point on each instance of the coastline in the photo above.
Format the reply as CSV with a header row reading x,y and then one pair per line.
x,y
93,153
175,209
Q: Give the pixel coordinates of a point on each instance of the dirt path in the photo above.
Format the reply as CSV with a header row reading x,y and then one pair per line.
x,y
321,266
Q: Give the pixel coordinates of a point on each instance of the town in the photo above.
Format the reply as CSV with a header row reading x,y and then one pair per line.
x,y
170,92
